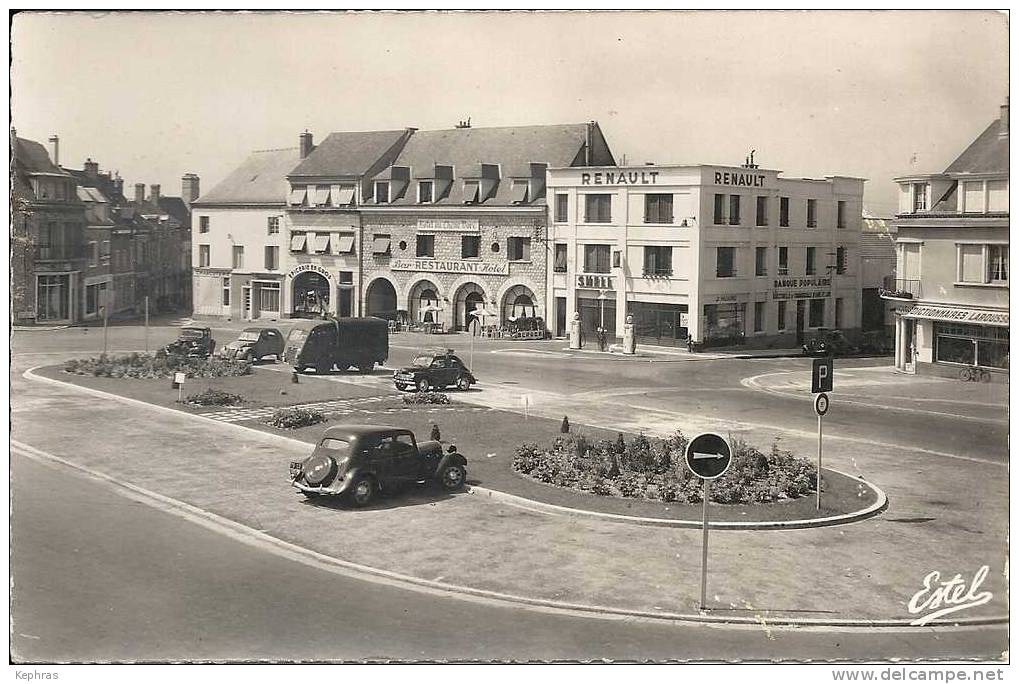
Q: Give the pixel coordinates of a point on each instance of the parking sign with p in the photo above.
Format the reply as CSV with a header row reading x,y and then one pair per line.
x,y
821,378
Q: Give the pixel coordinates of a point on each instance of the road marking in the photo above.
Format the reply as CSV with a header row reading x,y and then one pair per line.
x,y
753,383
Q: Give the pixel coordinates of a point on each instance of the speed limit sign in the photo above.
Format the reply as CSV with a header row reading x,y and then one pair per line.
x,y
821,404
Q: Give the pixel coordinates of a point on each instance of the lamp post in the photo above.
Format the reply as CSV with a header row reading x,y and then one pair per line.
x,y
601,299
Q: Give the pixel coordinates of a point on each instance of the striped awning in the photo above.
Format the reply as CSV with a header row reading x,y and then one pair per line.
x,y
321,243
346,195
380,245
345,244
297,196
322,196
297,242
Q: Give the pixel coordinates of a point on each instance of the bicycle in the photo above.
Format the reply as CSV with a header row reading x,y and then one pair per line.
x,y
974,374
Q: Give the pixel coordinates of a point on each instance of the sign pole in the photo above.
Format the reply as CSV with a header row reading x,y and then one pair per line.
x,y
819,419
704,548
146,324
105,321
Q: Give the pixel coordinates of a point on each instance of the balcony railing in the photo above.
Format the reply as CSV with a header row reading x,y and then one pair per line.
x,y
899,288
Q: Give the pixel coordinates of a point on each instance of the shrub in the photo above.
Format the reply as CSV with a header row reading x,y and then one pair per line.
x,y
565,427
435,434
214,397
157,365
292,418
426,398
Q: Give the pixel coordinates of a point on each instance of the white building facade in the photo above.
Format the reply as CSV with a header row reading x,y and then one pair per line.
x,y
704,255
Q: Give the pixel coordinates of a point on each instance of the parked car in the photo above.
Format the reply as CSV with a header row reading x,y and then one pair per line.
x,y
254,344
192,341
436,369
828,343
340,342
359,461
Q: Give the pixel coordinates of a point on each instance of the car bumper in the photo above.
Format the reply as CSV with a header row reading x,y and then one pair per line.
x,y
338,487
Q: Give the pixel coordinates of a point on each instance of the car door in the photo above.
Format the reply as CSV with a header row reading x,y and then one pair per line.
x,y
457,367
382,459
440,371
405,462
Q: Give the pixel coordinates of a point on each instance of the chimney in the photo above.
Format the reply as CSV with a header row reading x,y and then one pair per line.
x,y
589,143
1003,128
139,192
306,144
91,169
118,184
55,149
154,194
189,188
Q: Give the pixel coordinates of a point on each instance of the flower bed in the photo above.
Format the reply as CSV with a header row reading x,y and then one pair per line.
x,y
293,418
426,398
654,468
213,396
159,365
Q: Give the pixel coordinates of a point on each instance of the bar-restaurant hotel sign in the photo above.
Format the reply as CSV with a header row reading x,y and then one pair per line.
x,y
451,266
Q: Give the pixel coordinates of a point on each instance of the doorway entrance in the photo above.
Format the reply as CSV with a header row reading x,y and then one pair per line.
x,y
801,312
380,300
310,295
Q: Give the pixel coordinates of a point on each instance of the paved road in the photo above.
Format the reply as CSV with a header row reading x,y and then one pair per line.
x,y
99,576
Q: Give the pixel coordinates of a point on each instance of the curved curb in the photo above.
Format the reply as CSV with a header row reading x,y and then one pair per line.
x,y
243,533
843,519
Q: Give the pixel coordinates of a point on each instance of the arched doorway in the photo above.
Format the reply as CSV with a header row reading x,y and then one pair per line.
x,y
310,292
424,302
468,298
380,299
519,302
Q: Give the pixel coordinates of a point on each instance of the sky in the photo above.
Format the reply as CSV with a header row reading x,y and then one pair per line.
x,y
870,94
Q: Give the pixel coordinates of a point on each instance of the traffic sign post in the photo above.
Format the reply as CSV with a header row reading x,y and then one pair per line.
x,y
708,456
821,381
178,384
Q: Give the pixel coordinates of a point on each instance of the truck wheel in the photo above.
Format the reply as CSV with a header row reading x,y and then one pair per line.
x,y
452,477
463,383
362,491
422,385
366,367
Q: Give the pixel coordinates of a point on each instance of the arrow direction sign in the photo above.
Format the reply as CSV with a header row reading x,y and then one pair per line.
x,y
708,455
698,456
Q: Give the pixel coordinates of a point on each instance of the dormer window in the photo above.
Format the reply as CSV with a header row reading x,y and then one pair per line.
x,y
470,192
425,192
920,202
519,192
381,192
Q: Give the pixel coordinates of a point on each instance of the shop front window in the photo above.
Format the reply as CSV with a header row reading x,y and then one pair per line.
x,y
723,323
53,297
971,344
269,298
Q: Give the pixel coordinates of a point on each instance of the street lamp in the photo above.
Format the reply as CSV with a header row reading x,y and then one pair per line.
x,y
601,298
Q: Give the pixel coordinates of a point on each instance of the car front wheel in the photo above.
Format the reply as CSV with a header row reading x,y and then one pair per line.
x,y
463,383
452,477
423,385
362,491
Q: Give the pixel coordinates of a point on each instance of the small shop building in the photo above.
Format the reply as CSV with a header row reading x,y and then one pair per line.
x,y
951,284
705,255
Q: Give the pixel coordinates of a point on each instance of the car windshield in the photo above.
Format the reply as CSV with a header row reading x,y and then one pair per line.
x,y
422,361
248,337
192,333
297,337
334,444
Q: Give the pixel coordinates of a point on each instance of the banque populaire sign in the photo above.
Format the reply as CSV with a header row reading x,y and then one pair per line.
x,y
451,266
802,288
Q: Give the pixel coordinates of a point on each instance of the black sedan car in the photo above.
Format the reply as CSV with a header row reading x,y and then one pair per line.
x,y
359,461
254,344
435,369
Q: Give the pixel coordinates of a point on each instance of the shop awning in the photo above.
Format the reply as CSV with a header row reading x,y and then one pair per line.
x,y
346,195
297,242
321,243
955,314
345,244
322,196
297,196
470,192
519,193
380,245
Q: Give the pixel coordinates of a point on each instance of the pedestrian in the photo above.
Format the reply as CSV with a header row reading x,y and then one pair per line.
x,y
601,338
